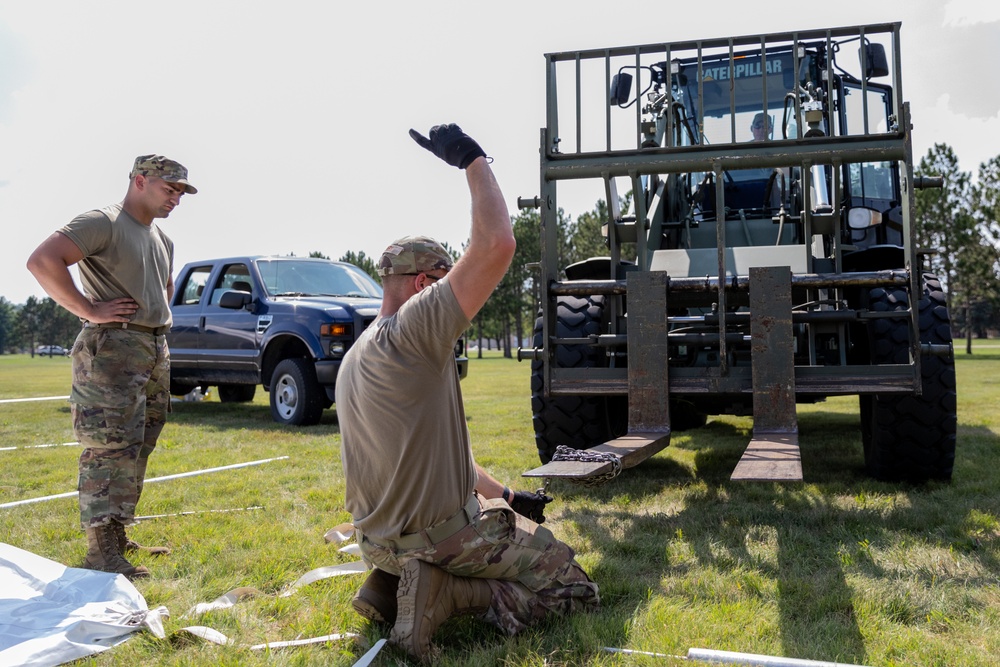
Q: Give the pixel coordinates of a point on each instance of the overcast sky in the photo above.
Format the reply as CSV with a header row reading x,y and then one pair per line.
x,y
292,117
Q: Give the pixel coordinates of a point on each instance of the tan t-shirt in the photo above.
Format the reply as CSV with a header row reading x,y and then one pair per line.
x,y
405,446
124,258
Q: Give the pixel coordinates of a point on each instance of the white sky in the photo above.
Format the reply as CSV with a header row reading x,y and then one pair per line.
x,y
292,117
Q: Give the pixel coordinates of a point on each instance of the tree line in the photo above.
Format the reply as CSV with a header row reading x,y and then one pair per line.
x,y
958,227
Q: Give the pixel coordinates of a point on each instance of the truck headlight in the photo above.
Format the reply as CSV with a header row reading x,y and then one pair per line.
x,y
337,348
335,329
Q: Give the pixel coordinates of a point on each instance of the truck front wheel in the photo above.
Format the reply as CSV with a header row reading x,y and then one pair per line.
x,y
296,395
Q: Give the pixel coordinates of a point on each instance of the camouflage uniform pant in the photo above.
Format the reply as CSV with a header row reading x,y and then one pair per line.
x,y
531,573
120,399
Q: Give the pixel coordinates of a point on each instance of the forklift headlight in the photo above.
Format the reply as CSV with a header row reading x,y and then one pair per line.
x,y
863,218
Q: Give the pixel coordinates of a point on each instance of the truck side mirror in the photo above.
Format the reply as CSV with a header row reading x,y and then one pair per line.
x,y
235,300
873,55
621,85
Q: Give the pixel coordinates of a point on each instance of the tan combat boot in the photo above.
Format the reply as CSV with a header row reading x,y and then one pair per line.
x,y
426,598
103,553
126,544
376,599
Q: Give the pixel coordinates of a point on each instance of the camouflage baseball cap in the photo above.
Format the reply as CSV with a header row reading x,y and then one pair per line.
x,y
413,254
165,168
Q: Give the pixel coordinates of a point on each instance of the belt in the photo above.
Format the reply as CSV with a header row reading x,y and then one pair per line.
x,y
431,536
128,326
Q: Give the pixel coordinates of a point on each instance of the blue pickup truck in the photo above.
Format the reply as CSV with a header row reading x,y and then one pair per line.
x,y
281,322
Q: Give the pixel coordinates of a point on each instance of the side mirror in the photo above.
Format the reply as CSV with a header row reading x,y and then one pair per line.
x,y
235,300
873,56
621,86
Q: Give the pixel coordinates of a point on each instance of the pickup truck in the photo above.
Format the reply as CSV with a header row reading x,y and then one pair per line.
x,y
281,322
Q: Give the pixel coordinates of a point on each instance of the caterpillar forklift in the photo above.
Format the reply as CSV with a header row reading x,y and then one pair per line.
x,y
767,257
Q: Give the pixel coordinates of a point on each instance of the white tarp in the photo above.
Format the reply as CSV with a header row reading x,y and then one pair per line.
x,y
51,614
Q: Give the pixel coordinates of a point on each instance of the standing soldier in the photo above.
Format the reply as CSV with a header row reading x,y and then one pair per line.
x,y
121,367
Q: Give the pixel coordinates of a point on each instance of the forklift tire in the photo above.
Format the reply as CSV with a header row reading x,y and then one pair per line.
x,y
579,422
909,437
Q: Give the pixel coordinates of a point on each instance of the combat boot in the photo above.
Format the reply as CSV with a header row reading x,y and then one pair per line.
x,y
104,554
376,599
426,598
126,544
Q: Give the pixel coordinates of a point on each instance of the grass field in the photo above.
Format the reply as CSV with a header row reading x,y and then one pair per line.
x,y
837,568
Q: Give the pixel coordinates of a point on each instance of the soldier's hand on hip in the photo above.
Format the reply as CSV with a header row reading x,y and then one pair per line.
x,y
116,310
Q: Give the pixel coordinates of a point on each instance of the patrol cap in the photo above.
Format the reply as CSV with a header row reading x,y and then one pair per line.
x,y
413,254
164,168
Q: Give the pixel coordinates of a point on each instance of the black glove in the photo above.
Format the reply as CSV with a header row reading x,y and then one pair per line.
x,y
450,144
530,504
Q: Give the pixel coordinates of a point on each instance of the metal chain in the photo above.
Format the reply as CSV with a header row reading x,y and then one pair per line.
x,y
564,453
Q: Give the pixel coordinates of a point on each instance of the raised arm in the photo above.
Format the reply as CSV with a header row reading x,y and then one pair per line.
x,y
491,241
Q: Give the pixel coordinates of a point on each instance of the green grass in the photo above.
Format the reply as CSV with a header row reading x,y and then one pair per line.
x,y
837,568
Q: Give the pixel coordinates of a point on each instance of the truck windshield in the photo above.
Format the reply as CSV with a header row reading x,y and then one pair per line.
x,y
310,277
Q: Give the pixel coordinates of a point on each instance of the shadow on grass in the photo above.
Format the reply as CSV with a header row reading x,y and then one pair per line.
x,y
677,528
791,545
214,416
